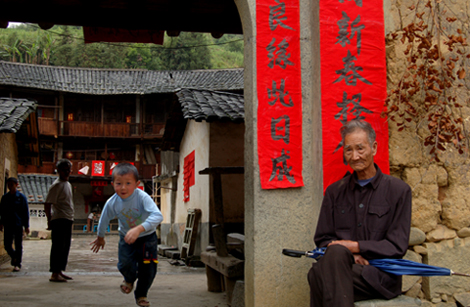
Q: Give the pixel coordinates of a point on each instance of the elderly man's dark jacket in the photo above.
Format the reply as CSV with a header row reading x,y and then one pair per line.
x,y
377,215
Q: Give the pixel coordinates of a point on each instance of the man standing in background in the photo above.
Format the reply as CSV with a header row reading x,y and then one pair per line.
x,y
14,215
60,220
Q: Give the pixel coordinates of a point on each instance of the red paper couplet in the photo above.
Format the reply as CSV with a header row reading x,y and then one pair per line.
x,y
353,78
279,87
189,177
97,168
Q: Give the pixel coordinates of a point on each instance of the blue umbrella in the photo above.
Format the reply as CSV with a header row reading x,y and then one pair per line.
x,y
393,266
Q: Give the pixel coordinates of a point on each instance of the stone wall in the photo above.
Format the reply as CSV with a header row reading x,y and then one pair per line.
x,y
441,202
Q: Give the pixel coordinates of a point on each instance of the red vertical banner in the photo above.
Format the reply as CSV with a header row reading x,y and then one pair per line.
x,y
279,87
188,175
353,77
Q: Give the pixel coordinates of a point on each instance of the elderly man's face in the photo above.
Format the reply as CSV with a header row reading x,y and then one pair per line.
x,y
359,153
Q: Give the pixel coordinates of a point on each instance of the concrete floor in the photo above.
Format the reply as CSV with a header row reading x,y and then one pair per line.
x,y
96,280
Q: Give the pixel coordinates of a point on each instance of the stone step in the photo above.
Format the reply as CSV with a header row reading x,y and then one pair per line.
x,y
399,301
172,254
163,248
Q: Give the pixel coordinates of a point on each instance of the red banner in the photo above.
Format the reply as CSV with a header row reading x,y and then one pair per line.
x,y
279,87
353,77
97,168
189,177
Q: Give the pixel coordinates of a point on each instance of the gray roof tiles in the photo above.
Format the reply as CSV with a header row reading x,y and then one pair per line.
x,y
116,81
35,187
206,105
13,112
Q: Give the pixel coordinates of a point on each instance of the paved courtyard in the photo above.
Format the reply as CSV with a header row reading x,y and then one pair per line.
x,y
96,280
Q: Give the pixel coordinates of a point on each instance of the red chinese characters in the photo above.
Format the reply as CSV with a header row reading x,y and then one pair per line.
x,y
279,93
353,77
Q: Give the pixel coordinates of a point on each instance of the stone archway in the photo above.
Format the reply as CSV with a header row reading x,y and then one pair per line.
x,y
277,219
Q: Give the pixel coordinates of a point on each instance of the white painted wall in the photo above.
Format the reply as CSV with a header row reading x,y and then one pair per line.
x,y
196,137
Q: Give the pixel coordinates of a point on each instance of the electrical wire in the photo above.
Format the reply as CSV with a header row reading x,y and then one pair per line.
x,y
136,46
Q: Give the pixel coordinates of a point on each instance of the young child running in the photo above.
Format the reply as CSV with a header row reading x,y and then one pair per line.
x,y
138,218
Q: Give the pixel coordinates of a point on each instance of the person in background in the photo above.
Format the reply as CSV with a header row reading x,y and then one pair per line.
x,y
138,217
365,215
89,225
14,222
59,211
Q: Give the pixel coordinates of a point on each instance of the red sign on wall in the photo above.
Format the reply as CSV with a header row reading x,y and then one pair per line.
x,y
279,93
189,176
353,77
97,168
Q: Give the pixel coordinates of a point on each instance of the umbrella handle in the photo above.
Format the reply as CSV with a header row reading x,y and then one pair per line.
x,y
459,274
293,253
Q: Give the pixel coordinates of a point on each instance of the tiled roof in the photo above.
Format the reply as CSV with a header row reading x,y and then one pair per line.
x,y
35,187
209,105
13,112
116,81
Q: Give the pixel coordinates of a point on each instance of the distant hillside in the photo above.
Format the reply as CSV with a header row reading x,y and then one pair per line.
x,y
64,46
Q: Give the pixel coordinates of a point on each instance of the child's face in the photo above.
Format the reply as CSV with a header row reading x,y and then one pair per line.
x,y
124,185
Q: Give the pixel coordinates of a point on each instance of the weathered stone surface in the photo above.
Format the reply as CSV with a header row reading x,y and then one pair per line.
x,y
441,233
451,254
464,232
425,213
238,295
420,250
409,280
455,208
462,298
417,236
400,301
402,147
414,291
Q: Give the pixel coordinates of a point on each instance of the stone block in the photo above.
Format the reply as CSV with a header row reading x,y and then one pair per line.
x,y
425,213
400,301
464,232
172,254
451,254
163,248
414,291
409,280
238,295
462,299
441,233
417,236
420,250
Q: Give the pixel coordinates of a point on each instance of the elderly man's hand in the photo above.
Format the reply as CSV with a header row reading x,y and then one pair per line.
x,y
360,260
353,246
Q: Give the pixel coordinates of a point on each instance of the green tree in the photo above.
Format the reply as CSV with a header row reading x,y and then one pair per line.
x,y
63,54
176,55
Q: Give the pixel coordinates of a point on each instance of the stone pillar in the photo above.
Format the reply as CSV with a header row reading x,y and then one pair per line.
x,y
283,218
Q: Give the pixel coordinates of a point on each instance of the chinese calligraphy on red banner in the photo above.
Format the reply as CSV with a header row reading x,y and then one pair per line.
x,y
189,177
97,168
353,77
279,93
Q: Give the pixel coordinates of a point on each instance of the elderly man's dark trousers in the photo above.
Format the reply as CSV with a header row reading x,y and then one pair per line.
x,y
61,237
336,281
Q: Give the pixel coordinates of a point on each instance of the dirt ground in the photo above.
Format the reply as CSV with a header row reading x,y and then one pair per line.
x,y
96,280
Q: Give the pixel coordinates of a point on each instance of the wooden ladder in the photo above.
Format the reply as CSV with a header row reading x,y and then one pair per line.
x,y
190,233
